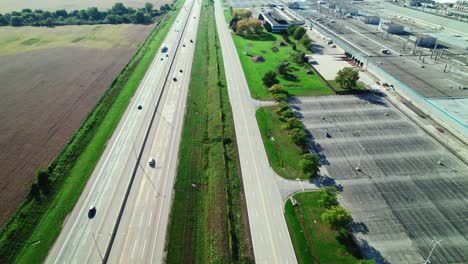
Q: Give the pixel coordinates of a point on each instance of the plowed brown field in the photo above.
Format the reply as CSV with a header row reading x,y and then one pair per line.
x,y
50,79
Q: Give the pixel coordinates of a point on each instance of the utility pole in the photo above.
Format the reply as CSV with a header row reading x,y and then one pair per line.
x,y
432,250
358,167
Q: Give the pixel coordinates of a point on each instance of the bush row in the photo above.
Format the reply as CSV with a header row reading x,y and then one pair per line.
x,y
118,14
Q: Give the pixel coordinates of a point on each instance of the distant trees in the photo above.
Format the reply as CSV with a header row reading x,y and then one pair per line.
x,y
347,78
118,14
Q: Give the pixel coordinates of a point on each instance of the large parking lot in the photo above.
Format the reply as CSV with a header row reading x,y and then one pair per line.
x,y
401,199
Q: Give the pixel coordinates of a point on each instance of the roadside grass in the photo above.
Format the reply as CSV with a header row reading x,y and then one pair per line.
x,y
331,246
301,248
33,229
304,84
284,156
208,217
360,87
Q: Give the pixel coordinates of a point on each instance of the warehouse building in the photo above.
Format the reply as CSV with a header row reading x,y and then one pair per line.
x,y
273,22
424,41
277,20
392,28
373,20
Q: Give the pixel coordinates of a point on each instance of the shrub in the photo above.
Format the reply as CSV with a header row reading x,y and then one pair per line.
x,y
310,164
337,217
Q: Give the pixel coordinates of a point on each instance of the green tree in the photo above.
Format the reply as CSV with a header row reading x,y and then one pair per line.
x,y
93,13
347,78
119,8
288,113
3,20
269,79
140,18
337,217
310,165
112,19
35,190
298,33
149,8
16,21
49,22
282,68
281,97
276,89
291,29
43,179
282,106
299,137
366,261
292,123
328,197
306,41
61,13
298,57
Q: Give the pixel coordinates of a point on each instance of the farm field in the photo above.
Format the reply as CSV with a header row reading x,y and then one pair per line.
x,y
17,5
51,79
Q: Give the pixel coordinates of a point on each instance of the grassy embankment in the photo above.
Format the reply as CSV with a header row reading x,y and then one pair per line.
x,y
33,229
305,84
283,154
208,218
329,246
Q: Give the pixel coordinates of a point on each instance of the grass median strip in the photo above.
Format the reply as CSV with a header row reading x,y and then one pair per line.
x,y
208,218
33,229
284,156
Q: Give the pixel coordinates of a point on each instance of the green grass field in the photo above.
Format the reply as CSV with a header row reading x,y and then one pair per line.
x,y
33,229
283,154
206,217
305,84
330,245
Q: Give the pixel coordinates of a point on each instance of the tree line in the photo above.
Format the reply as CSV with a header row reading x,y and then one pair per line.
x,y
118,14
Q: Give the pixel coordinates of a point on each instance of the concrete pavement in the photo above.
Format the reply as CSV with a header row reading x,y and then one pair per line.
x,y
270,236
86,240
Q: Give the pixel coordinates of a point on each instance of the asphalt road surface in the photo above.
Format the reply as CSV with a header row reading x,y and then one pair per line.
x,y
133,198
270,236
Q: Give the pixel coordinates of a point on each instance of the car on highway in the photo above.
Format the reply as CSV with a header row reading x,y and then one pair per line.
x,y
140,107
327,134
152,162
92,212
164,48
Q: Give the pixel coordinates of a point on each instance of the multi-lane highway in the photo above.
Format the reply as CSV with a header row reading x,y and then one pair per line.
x,y
132,198
270,237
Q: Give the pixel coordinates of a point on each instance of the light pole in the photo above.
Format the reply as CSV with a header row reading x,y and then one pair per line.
x,y
97,246
358,167
432,250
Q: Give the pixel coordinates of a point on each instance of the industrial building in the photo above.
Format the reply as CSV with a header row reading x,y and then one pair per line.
x,y
418,2
392,28
424,41
273,22
373,20
277,20
460,9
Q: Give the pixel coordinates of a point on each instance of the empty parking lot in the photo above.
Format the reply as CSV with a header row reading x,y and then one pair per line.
x,y
401,199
